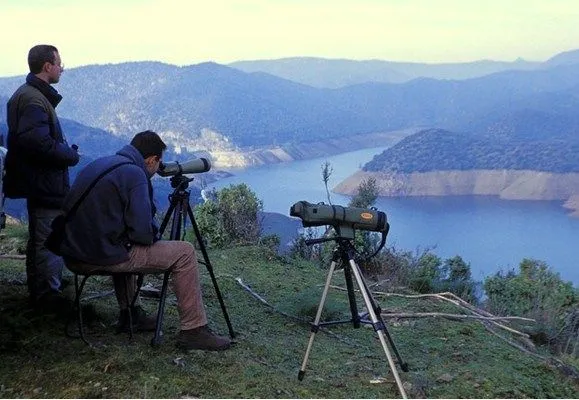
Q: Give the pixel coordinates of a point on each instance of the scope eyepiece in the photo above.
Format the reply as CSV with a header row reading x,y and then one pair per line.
x,y
193,166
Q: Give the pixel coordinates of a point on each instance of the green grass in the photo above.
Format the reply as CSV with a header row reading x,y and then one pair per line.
x,y
447,359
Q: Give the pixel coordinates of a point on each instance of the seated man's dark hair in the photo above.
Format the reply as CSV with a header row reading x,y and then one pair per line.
x,y
40,54
149,144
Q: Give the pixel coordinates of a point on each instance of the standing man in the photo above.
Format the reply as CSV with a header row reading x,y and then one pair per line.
x,y
114,229
37,168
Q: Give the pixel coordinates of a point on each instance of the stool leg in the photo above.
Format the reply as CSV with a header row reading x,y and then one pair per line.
x,y
140,278
78,306
134,299
75,308
129,303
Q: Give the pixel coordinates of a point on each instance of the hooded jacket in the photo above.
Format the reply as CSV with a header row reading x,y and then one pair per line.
x,y
117,212
38,155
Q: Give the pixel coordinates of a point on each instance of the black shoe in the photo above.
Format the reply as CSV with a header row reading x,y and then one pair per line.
x,y
141,322
202,338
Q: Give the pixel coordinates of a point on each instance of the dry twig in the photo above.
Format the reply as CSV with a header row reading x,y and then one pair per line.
x,y
457,301
451,316
13,256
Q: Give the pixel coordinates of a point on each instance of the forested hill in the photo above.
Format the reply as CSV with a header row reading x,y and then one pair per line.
x,y
257,109
441,150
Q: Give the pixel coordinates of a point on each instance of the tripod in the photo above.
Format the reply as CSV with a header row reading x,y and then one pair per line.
x,y
179,210
344,252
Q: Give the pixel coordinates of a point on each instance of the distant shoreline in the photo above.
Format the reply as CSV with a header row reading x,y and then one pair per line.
x,y
506,184
255,156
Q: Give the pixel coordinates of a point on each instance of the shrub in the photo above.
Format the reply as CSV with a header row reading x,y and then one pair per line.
x,y
238,207
538,292
299,248
425,272
232,218
270,242
13,239
209,223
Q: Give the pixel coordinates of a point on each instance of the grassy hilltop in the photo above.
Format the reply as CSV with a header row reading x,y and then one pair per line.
x,y
452,357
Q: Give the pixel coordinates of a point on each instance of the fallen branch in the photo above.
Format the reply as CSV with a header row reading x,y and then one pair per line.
x,y
262,300
378,283
408,296
452,316
466,304
486,319
457,301
13,256
567,369
510,342
98,295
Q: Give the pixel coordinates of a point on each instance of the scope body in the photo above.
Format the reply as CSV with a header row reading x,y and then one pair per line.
x,y
366,219
193,166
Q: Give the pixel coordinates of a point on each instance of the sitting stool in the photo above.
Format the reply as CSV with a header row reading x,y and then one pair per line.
x,y
157,339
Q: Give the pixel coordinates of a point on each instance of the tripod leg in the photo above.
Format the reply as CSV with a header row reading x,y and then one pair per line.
x,y
315,325
177,223
167,217
210,269
378,311
378,324
351,296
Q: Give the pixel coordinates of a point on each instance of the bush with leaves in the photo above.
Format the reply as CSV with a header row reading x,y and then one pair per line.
x,y
299,248
366,194
538,292
238,208
426,274
366,243
209,223
270,242
232,218
429,274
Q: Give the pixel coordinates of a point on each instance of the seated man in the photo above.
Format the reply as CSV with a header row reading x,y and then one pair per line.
x,y
114,229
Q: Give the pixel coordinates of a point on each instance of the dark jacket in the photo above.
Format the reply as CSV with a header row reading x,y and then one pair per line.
x,y
38,154
117,212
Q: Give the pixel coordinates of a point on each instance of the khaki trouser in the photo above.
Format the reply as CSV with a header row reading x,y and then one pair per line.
x,y
177,256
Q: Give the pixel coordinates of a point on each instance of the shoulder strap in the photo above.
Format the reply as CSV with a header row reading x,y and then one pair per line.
x,y
73,209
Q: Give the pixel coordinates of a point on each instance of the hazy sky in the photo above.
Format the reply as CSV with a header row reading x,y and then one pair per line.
x,y
191,31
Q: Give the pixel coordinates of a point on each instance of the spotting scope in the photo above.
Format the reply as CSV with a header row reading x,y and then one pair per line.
x,y
193,166
366,219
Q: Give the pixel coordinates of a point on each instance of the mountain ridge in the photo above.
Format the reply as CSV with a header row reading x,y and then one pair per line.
x,y
228,114
338,72
249,109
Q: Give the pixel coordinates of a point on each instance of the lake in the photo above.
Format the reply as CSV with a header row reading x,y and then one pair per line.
x,y
489,233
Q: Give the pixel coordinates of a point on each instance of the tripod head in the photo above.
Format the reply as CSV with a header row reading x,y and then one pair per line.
x,y
180,182
346,240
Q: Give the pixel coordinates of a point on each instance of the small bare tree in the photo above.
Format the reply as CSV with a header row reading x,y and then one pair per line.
x,y
327,171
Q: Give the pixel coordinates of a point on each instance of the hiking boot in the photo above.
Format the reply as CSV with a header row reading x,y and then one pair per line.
x,y
201,338
141,322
